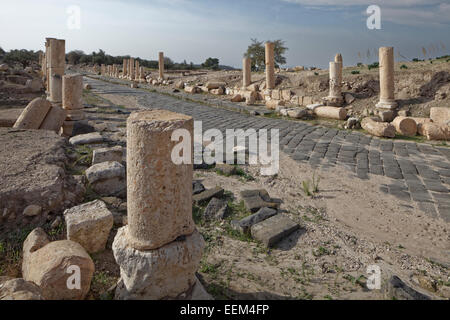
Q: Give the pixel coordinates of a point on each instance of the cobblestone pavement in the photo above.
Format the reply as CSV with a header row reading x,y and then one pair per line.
x,y
419,172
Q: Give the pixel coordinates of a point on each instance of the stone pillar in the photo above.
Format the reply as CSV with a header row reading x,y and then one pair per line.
x,y
160,249
387,98
161,65
270,65
131,76
57,65
335,96
125,68
338,58
72,101
47,65
141,74
247,72
138,71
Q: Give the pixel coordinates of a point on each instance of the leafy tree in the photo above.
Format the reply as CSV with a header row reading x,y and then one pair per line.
x,y
211,63
74,57
256,51
25,57
2,53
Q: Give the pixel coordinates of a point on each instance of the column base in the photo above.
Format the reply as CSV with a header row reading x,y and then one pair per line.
x,y
387,105
164,273
333,101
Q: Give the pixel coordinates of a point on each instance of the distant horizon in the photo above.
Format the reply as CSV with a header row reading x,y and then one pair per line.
x,y
192,30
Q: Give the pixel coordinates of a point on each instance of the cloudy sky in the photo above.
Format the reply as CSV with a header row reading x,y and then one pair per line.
x,y
314,30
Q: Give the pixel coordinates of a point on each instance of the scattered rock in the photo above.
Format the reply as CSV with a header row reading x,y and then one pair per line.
x,y
272,230
107,154
51,264
396,288
226,169
32,210
197,187
297,113
349,98
257,199
386,116
33,115
89,224
19,289
88,138
208,195
216,209
244,225
107,178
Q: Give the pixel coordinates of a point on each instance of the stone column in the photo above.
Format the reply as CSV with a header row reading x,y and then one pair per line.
x,y
72,101
57,65
131,77
141,74
138,71
270,65
47,65
247,72
161,65
338,58
125,68
387,98
160,249
335,95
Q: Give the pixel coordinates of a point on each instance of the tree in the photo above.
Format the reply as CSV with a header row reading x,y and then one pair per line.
x,y
74,57
25,57
2,53
256,51
211,63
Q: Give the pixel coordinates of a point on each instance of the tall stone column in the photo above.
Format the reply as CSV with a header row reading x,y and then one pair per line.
x,y
270,65
387,97
247,72
125,68
335,95
161,65
338,58
131,76
160,249
56,70
47,65
138,71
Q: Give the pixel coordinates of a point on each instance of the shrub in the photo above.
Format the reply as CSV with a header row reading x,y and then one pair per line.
x,y
403,66
373,65
355,72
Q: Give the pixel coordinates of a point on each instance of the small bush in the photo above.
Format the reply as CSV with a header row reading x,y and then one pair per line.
x,y
359,65
355,72
373,65
403,66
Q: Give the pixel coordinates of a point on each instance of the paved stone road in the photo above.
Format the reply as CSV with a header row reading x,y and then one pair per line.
x,y
420,172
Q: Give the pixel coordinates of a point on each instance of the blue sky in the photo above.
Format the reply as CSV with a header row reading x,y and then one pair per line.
x,y
314,30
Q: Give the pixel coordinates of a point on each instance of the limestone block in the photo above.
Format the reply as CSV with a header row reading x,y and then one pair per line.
x,y
273,104
331,112
217,91
440,114
215,85
19,289
165,272
48,264
286,94
405,126
54,119
87,138
107,178
276,94
379,129
67,128
245,224
274,229
436,131
420,122
237,98
297,113
107,154
33,115
89,224
191,89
